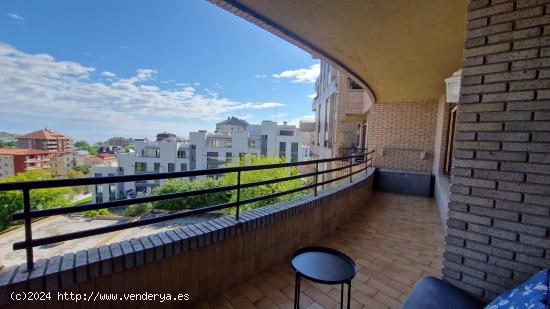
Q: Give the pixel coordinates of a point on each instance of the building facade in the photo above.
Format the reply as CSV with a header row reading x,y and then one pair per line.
x,y
204,150
148,157
62,162
46,139
340,108
14,161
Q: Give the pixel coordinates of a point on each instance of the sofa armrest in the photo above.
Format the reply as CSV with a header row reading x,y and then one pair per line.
x,y
433,293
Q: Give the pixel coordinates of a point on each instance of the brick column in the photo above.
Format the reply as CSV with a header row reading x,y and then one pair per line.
x,y
498,226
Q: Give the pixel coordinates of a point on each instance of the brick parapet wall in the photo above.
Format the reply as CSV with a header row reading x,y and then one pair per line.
x,y
400,132
499,214
202,259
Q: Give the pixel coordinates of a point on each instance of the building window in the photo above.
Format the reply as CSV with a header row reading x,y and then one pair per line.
x,y
112,192
228,157
251,144
183,167
156,167
293,152
211,160
215,143
141,167
353,85
150,152
282,149
182,154
228,143
320,120
326,131
286,132
171,167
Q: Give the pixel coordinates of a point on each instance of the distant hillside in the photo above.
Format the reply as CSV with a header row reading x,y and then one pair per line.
x,y
7,137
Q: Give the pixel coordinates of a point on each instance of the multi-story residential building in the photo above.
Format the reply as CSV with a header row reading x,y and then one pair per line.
x,y
148,157
211,150
203,151
62,162
307,128
46,139
14,161
340,107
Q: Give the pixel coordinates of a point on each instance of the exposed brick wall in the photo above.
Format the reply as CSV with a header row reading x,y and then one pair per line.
x,y
400,132
498,226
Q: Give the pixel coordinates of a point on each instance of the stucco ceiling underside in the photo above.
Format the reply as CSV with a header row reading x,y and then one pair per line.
x,y
401,49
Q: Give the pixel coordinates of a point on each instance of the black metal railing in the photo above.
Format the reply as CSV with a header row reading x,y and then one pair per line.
x,y
28,214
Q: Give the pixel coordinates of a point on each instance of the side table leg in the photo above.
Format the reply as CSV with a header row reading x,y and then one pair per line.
x,y
297,291
342,297
349,294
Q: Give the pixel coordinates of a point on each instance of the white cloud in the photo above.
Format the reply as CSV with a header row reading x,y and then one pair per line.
x,y
312,96
279,116
261,75
16,19
37,86
304,75
108,74
245,117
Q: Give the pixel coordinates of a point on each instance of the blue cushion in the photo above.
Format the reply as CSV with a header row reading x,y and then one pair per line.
x,y
532,294
433,293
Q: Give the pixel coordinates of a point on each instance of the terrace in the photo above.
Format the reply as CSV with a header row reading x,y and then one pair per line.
x,y
390,260
485,160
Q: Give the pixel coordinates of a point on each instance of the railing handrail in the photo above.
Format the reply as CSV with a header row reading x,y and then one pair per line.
x,y
28,213
72,182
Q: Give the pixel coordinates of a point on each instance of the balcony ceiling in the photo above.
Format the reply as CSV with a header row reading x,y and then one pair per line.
x,y
401,49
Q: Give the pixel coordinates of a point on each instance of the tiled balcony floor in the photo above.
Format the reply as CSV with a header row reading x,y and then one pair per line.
x,y
395,240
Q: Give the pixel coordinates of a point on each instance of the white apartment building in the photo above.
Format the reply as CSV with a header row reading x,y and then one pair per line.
x,y
204,150
211,150
148,157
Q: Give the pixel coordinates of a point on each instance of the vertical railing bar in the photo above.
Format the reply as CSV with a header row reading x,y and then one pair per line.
x,y
366,162
238,192
350,169
316,176
28,228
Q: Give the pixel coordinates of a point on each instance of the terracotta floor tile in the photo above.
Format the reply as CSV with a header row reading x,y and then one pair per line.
x,y
394,240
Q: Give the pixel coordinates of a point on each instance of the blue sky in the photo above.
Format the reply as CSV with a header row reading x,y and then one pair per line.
x,y
97,69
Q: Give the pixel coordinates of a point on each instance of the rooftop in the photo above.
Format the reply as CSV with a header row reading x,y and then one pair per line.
x,y
234,121
44,134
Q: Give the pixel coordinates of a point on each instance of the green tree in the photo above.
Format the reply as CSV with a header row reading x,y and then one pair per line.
x,y
196,201
81,145
259,175
12,201
11,144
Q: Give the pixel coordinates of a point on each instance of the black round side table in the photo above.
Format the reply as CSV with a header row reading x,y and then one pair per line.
x,y
325,266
